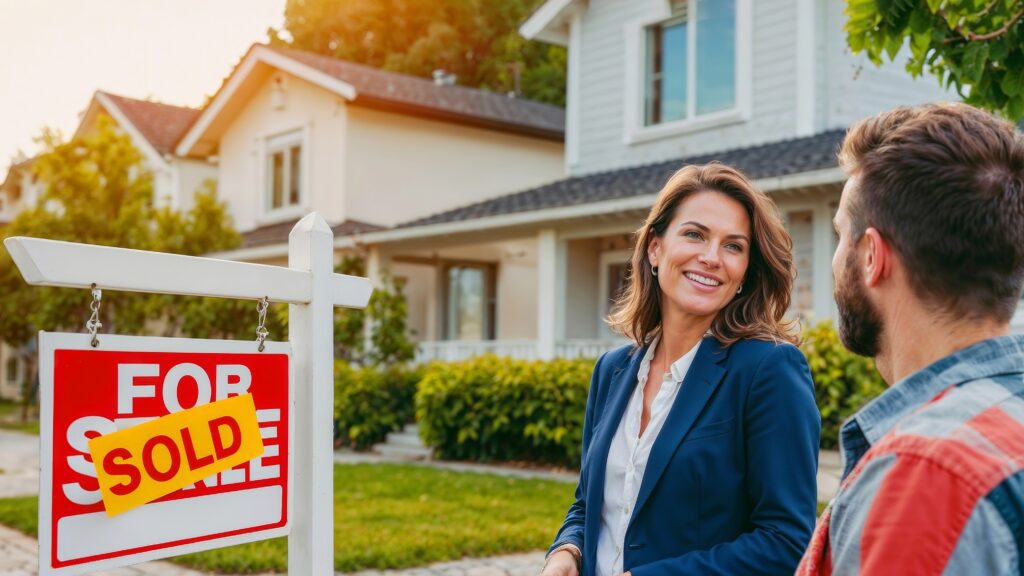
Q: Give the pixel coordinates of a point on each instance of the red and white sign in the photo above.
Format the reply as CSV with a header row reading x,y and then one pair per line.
x,y
86,392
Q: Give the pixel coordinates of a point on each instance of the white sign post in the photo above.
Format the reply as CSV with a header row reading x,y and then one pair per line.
x,y
311,289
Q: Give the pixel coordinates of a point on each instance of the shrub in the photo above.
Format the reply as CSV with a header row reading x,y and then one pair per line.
x,y
490,408
843,381
369,402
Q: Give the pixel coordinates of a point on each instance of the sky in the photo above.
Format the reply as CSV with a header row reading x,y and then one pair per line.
x,y
54,54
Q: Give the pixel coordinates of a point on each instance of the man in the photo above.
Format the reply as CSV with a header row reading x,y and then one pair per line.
x,y
928,273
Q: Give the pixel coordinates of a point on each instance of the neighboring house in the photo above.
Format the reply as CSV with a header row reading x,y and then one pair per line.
x,y
155,129
767,86
295,132
20,188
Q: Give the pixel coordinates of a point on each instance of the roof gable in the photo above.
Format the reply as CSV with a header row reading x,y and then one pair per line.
x,y
391,91
162,125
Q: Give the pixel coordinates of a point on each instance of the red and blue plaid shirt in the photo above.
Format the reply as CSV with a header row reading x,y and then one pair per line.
x,y
934,474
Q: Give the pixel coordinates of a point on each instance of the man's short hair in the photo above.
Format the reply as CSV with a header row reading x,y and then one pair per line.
x,y
944,184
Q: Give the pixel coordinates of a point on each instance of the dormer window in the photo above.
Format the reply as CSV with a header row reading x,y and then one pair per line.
x,y
691,62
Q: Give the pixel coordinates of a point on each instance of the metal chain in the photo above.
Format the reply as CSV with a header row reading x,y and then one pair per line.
x,y
94,324
261,329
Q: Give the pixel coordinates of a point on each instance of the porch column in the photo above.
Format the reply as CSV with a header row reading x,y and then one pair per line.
x,y
378,263
824,248
551,276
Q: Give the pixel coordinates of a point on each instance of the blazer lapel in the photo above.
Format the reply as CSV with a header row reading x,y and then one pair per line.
x,y
699,384
623,382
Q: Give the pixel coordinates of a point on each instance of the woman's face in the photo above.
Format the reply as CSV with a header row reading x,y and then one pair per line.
x,y
703,255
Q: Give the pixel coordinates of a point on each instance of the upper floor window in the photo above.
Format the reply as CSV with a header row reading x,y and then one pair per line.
x,y
691,62
284,171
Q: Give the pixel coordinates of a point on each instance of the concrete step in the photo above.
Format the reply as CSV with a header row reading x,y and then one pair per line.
x,y
413,429
404,439
403,452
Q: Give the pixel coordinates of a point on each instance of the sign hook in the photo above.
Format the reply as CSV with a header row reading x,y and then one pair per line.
x,y
94,324
261,329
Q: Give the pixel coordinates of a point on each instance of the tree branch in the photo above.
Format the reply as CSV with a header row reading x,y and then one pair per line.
x,y
972,37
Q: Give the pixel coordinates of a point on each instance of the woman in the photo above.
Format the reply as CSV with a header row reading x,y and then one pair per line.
x,y
700,443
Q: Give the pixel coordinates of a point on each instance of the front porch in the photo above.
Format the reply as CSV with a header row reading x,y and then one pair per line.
x,y
543,291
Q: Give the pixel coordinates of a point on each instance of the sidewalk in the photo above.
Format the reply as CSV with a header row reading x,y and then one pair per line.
x,y
19,476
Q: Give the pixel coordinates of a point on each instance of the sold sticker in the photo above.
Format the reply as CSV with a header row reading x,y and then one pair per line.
x,y
150,460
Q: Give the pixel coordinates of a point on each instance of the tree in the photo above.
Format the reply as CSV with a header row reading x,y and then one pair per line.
x,y
478,40
97,191
975,45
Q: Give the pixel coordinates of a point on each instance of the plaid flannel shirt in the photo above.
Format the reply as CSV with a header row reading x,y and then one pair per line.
x,y
933,481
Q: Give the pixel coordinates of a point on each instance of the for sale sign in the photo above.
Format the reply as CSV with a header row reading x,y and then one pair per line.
x,y
126,423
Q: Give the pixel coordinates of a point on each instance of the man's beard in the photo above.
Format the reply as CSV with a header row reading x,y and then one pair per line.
x,y
860,326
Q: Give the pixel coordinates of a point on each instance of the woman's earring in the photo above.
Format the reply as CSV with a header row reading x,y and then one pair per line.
x,y
654,270
740,290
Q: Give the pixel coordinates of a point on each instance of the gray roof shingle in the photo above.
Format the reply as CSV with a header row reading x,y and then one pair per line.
x,y
415,95
764,161
278,233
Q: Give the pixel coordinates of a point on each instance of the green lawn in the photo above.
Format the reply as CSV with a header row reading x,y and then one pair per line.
x,y
10,418
396,516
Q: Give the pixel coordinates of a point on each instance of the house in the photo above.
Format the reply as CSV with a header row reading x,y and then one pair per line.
x,y
154,128
294,132
766,86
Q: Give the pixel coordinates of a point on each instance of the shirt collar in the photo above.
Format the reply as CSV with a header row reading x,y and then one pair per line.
x,y
680,367
1001,355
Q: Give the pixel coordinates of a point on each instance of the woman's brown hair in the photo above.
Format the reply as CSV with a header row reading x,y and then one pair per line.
x,y
757,312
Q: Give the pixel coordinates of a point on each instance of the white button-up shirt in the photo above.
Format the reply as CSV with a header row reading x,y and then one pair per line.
x,y
627,457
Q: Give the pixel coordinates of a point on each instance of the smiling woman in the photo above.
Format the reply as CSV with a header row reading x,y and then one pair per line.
x,y
700,440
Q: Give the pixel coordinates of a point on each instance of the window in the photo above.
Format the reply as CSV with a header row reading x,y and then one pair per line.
x,y
469,302
691,62
284,171
12,369
618,279
615,268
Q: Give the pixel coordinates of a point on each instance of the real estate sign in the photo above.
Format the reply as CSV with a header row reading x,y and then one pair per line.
x,y
123,425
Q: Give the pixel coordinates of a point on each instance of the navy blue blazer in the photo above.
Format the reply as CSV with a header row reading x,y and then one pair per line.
x,y
730,485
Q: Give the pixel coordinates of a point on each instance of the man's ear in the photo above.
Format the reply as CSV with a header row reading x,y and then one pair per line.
x,y
652,250
879,257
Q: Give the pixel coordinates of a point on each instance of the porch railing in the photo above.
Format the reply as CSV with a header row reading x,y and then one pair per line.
x,y
455,350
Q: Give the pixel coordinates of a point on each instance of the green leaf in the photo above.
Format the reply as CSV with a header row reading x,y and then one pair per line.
x,y
1013,83
1015,108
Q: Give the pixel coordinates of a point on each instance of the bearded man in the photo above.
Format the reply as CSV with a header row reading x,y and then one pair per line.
x,y
928,274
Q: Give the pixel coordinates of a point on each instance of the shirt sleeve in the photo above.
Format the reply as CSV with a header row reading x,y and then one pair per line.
x,y
920,515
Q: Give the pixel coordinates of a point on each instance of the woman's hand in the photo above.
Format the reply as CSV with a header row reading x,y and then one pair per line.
x,y
561,563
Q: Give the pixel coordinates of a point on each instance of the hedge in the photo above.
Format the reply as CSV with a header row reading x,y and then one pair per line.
x,y
500,409
491,408
369,402
843,381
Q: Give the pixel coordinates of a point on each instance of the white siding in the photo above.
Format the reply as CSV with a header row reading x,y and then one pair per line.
x,y
309,109
602,93
398,168
190,178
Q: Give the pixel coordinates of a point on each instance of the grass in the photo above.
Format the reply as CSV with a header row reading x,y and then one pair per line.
x,y
396,516
10,418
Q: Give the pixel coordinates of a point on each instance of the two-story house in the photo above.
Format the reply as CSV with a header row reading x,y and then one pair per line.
x,y
767,86
154,128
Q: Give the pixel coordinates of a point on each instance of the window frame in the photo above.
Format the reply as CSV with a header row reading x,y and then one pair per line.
x,y
605,261
283,142
489,298
636,34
